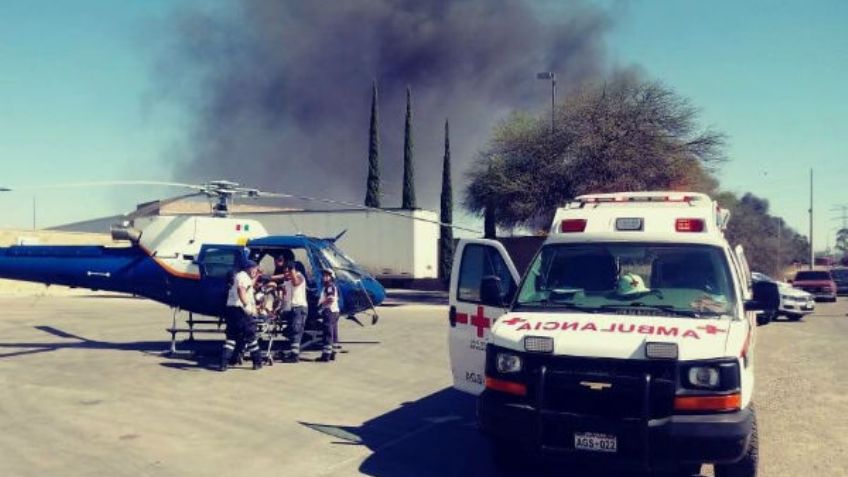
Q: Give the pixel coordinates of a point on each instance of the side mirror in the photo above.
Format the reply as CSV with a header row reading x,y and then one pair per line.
x,y
490,291
766,297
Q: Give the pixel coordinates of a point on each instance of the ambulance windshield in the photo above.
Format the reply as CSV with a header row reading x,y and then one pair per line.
x,y
631,278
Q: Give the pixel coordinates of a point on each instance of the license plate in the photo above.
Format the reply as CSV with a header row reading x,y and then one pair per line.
x,y
594,442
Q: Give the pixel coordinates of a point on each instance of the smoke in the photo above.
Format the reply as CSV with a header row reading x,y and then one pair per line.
x,y
279,91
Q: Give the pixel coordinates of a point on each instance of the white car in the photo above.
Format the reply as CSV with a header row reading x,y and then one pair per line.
x,y
795,303
629,340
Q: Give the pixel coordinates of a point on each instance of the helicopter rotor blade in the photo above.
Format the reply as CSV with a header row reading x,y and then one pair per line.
x,y
282,195
156,205
81,185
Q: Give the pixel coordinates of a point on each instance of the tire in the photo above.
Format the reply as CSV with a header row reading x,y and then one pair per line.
x,y
747,465
794,317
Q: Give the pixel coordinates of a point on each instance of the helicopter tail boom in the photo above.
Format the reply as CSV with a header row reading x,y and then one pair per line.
x,y
94,267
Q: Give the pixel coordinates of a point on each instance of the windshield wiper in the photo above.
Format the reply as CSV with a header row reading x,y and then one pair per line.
x,y
558,304
666,308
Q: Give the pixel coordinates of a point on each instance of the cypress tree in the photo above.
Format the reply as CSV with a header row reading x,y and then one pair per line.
x,y
446,215
408,168
489,230
372,193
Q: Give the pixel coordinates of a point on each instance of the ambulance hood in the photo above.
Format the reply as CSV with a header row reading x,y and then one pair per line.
x,y
621,336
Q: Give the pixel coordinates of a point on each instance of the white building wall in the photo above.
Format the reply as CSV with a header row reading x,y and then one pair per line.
x,y
387,245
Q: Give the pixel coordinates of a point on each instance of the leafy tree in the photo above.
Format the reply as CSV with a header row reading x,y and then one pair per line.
x,y
446,215
408,201
372,193
770,244
624,134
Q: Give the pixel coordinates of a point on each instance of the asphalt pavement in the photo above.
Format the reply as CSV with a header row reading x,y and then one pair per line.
x,y
84,391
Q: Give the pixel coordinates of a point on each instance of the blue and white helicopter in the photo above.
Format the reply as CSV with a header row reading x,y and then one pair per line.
x,y
184,261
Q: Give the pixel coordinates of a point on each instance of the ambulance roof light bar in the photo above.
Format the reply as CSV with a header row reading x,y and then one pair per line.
x,y
640,197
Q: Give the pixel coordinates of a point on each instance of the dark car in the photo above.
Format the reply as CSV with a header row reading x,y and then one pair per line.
x,y
840,276
818,283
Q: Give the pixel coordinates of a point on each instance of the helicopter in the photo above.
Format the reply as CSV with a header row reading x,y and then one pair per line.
x,y
184,262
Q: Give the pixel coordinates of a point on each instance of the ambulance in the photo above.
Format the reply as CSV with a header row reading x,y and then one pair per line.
x,y
629,340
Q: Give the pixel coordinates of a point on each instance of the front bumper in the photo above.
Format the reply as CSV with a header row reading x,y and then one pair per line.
x,y
819,294
798,307
647,443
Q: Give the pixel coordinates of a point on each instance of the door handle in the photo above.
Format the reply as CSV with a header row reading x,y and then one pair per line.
x,y
452,316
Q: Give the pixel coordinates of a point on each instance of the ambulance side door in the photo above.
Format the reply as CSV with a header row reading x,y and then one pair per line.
x,y
483,283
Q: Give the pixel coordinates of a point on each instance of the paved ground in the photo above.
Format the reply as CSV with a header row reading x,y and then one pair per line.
x,y
84,392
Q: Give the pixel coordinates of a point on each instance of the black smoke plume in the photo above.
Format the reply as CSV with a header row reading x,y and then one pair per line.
x,y
279,91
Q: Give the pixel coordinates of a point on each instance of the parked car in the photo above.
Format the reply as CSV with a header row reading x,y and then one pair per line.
x,y
795,304
840,276
817,282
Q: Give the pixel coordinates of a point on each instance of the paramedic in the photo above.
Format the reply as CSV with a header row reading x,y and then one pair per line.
x,y
241,308
299,310
328,309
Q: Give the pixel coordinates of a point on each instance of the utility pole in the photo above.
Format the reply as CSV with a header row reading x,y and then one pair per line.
x,y
779,268
812,249
843,209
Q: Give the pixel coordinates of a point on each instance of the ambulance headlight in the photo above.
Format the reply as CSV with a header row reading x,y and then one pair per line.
x,y
706,377
719,375
508,363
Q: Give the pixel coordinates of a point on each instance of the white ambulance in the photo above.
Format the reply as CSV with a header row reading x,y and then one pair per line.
x,y
629,339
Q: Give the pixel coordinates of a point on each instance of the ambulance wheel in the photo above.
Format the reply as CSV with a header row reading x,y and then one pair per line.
x,y
507,456
747,466
794,317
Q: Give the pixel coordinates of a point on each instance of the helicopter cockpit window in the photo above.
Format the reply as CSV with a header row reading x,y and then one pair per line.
x,y
217,263
345,267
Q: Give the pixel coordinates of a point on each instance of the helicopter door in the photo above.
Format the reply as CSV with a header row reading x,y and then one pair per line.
x,y
483,282
216,263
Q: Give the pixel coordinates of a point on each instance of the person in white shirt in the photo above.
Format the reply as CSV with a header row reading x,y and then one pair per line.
x,y
299,310
241,308
328,309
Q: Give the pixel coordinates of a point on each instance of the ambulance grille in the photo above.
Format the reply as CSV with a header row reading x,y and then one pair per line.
x,y
607,388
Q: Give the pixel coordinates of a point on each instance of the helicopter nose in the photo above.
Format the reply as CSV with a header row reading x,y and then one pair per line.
x,y
375,289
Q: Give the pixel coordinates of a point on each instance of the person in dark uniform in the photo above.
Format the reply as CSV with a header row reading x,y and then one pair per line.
x,y
239,317
328,309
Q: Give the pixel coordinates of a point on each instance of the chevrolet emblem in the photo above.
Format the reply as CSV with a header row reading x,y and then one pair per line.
x,y
595,386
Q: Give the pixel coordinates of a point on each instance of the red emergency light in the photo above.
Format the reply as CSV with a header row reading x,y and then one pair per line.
x,y
689,225
572,225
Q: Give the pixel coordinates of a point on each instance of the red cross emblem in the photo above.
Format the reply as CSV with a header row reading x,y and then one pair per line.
x,y
462,318
480,321
711,329
514,321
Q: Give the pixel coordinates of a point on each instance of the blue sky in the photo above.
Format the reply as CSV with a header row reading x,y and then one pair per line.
x,y
772,75
77,101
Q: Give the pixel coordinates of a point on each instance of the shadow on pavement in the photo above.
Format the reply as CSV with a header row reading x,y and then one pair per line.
x,y
437,436
395,297
78,343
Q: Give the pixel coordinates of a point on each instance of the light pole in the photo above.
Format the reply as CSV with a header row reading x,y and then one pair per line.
x,y
550,75
812,250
